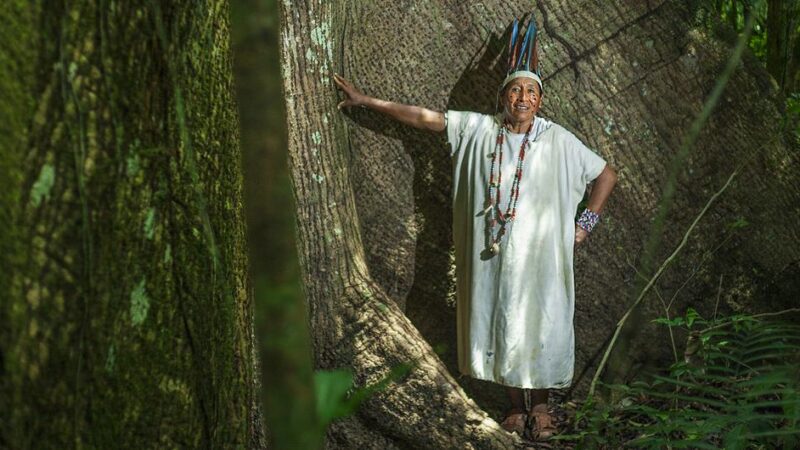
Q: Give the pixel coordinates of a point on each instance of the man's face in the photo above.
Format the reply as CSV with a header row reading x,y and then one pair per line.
x,y
521,99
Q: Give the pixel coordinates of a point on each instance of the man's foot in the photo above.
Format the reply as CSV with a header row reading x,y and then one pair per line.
x,y
540,423
515,421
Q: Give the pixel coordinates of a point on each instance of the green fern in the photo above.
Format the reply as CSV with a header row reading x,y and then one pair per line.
x,y
738,387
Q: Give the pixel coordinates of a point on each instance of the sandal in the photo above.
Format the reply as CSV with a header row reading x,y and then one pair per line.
x,y
515,421
540,423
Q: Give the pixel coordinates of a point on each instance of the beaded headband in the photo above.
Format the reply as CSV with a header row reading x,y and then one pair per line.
x,y
523,58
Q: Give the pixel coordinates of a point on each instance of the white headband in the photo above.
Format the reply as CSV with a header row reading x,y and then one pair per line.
x,y
522,73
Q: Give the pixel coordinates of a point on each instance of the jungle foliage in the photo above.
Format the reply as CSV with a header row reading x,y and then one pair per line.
x,y
736,386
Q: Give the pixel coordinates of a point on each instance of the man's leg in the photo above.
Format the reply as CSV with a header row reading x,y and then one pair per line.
x,y
539,396
516,416
517,398
541,422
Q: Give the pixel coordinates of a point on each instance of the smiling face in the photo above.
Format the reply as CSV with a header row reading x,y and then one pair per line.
x,y
521,100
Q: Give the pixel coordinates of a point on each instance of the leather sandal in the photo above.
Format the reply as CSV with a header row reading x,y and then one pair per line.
x,y
515,421
540,423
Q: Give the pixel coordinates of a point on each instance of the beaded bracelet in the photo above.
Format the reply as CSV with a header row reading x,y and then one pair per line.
x,y
588,220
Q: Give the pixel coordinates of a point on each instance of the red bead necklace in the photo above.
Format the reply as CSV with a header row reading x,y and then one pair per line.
x,y
493,205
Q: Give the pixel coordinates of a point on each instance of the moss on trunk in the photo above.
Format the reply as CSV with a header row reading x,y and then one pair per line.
x,y
130,315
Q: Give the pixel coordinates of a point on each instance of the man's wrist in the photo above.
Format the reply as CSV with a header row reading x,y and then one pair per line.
x,y
363,101
588,220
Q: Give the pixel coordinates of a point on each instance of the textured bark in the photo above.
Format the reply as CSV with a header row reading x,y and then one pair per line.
x,y
374,213
127,317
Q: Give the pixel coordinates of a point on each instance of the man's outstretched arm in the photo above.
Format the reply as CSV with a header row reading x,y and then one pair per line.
x,y
415,116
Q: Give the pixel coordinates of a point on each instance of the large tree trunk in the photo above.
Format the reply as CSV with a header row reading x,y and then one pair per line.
x,y
126,318
373,197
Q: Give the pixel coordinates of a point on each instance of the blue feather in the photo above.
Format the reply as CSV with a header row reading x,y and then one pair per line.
x,y
511,44
532,46
525,44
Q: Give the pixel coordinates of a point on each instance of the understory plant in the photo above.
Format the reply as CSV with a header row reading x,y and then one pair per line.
x,y
736,387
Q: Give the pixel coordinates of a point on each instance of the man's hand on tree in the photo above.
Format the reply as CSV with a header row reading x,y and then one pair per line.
x,y
414,116
352,97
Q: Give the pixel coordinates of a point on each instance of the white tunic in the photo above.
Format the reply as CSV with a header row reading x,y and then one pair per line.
x,y
515,309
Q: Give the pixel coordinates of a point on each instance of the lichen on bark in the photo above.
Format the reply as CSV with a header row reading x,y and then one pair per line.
x,y
119,326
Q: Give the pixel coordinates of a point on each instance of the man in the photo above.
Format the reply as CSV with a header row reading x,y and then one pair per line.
x,y
517,182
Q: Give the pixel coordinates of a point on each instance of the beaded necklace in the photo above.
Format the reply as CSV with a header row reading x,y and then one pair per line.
x,y
496,215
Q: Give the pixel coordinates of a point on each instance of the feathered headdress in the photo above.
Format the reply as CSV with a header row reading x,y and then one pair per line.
x,y
523,58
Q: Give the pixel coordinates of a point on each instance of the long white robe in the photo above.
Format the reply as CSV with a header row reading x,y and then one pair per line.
x,y
515,309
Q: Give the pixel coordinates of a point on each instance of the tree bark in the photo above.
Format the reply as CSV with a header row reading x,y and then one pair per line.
x,y
373,197
127,315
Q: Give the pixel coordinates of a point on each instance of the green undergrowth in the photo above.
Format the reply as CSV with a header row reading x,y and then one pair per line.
x,y
737,387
